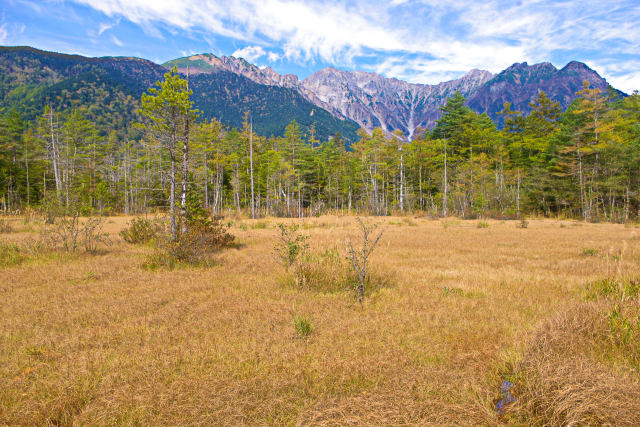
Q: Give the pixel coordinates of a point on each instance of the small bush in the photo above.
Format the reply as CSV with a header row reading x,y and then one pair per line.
x,y
523,223
359,258
200,241
261,225
10,254
589,252
291,245
483,224
303,326
71,233
195,246
91,234
141,230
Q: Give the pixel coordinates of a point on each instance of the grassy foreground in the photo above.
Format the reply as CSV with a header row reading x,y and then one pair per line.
x,y
98,339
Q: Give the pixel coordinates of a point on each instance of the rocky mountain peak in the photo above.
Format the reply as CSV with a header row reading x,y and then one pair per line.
x,y
373,100
576,66
521,82
581,70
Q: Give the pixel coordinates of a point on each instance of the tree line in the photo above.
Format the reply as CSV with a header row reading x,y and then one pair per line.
x,y
581,163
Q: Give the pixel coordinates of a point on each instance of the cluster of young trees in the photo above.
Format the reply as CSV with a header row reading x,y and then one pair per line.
x,y
584,162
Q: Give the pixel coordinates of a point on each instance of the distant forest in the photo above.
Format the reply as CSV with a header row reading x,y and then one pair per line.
x,y
581,163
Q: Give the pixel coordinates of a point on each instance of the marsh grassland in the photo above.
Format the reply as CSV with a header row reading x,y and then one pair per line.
x,y
455,310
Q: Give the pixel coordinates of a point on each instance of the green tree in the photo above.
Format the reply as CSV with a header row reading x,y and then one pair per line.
x,y
167,111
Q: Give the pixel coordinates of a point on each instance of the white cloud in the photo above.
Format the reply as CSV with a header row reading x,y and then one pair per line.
x,y
273,56
331,30
116,41
250,53
3,33
627,83
623,75
439,38
107,26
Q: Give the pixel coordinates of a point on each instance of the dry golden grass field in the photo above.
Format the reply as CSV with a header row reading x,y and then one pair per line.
x,y
96,339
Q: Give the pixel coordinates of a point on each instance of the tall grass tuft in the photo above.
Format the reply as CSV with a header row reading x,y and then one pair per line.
x,y
303,326
582,366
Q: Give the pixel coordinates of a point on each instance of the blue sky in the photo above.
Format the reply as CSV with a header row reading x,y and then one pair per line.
x,y
422,41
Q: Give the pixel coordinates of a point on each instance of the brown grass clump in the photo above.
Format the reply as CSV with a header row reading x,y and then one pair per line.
x,y
325,272
582,367
329,272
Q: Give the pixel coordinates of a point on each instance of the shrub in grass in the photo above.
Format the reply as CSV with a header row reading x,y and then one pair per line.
x,y
523,223
589,252
329,272
199,241
483,224
10,254
195,246
359,256
291,245
72,233
303,326
142,230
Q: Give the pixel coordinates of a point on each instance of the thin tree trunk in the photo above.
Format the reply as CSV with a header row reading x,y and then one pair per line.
x,y
206,179
444,198
253,206
401,181
26,163
185,166
126,197
518,195
583,201
54,155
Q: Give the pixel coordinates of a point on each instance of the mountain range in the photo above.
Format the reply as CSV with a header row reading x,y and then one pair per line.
x,y
332,100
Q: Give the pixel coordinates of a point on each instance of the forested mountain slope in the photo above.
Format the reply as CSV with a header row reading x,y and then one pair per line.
x,y
109,90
